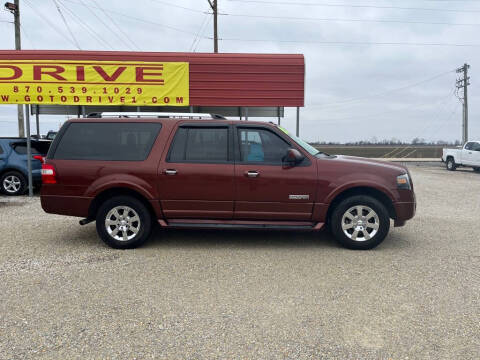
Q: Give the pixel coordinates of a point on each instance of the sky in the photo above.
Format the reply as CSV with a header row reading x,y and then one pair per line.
x,y
375,69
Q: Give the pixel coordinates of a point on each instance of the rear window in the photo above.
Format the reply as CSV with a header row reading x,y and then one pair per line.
x,y
107,141
22,149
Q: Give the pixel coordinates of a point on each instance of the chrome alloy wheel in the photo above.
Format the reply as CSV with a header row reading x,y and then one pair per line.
x,y
122,223
360,223
12,184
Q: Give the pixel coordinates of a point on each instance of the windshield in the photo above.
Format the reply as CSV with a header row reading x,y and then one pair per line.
x,y
302,143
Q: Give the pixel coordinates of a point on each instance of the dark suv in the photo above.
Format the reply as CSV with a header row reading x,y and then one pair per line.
x,y
195,172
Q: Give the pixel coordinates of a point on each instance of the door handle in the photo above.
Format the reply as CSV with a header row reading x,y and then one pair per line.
x,y
170,172
252,173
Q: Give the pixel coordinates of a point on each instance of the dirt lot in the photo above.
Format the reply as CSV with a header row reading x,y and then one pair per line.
x,y
246,295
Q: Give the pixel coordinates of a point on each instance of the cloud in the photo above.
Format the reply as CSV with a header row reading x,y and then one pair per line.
x,y
334,73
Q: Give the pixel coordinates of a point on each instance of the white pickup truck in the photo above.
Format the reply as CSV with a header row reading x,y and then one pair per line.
x,y
469,155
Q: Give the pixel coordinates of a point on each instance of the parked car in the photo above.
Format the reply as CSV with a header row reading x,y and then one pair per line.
x,y
51,135
469,156
129,173
13,164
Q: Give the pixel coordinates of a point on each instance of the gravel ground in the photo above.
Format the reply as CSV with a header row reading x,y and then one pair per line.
x,y
246,295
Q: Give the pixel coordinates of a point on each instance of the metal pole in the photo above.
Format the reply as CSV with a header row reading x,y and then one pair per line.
x,y
18,46
465,95
83,112
37,120
29,152
215,27
298,122
213,5
278,113
246,114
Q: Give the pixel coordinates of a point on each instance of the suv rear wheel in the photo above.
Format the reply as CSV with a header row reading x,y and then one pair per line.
x,y
124,222
360,222
13,183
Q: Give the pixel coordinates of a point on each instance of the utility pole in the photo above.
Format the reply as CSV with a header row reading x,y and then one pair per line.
x,y
463,83
213,5
15,10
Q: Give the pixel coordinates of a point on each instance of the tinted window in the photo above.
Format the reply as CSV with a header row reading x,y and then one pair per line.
x,y
107,141
476,147
22,149
200,144
1,150
259,145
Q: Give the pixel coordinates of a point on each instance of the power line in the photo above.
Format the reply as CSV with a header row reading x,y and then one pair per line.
x,y
45,18
179,6
201,37
362,43
85,25
355,6
28,37
347,20
66,24
405,87
200,31
142,20
122,40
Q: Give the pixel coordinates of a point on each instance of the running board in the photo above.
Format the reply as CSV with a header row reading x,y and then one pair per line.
x,y
236,224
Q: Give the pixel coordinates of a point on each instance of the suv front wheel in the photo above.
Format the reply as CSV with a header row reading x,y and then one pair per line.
x,y
123,222
360,222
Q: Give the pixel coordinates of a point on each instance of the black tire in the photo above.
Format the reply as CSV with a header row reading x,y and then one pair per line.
x,y
366,241
10,189
451,166
143,226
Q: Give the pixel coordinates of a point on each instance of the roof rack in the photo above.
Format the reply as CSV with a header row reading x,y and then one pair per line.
x,y
156,115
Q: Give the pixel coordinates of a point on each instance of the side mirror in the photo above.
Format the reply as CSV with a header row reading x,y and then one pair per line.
x,y
293,157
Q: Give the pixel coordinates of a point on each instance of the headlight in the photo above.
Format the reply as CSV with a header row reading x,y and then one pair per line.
x,y
403,182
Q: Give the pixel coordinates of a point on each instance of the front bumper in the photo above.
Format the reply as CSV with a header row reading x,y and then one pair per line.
x,y
404,211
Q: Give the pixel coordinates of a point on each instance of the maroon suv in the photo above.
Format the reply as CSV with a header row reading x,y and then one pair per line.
x,y
195,172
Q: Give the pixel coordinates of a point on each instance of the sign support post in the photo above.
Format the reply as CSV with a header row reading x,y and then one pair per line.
x,y
29,151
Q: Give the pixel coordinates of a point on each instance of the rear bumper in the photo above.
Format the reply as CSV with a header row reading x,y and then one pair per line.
x,y
404,211
66,205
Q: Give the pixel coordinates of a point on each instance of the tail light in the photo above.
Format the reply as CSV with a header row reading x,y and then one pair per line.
x,y
39,157
48,174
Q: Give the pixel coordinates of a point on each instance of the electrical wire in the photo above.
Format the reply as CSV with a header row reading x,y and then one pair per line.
x,y
355,6
52,25
87,27
119,28
122,40
27,36
361,43
383,93
179,6
200,31
295,18
142,20
66,24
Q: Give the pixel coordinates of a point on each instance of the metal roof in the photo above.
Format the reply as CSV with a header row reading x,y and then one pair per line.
x,y
268,80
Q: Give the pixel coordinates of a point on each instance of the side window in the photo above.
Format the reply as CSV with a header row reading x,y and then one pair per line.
x,y
469,146
261,146
476,147
200,144
1,150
